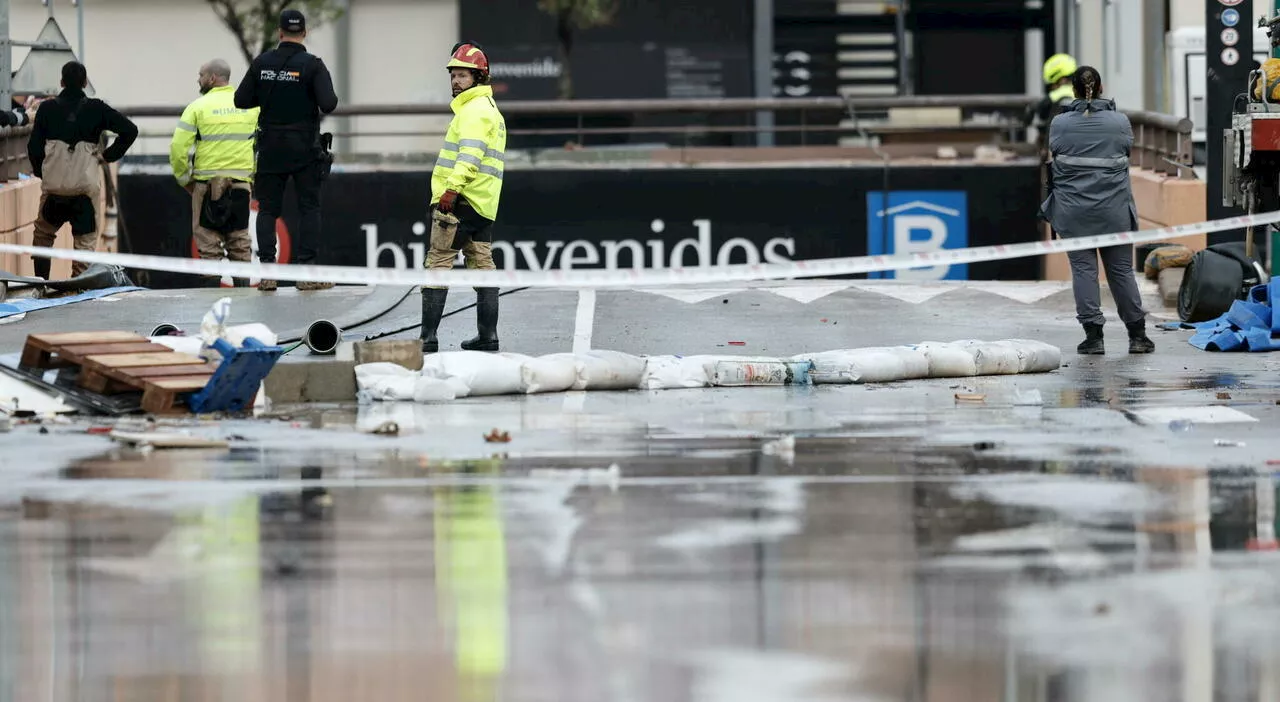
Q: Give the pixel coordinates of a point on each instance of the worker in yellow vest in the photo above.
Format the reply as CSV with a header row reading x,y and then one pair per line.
x,y
212,157
466,184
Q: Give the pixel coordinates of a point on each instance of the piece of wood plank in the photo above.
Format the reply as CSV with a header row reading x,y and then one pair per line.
x,y
138,360
72,352
185,384
87,337
205,369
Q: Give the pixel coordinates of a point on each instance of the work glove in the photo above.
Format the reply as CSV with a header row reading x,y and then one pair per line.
x,y
447,201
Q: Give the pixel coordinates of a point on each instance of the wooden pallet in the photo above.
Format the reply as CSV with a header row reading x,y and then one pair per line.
x,y
114,362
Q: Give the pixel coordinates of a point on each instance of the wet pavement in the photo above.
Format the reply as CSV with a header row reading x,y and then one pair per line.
x,y
876,542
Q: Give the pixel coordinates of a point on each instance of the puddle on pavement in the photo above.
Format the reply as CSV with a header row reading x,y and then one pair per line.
x,y
847,567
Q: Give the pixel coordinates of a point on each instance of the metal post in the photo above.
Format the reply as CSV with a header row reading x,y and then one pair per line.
x,y
80,27
6,57
1275,8
344,73
900,32
764,69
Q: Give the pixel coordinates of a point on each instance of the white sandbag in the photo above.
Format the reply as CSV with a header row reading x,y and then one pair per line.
x,y
428,389
237,334
386,381
869,365
730,373
555,372
670,372
914,363
948,360
992,358
483,373
1036,356
608,370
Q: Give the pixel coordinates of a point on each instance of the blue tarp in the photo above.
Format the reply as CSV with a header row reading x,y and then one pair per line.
x,y
1248,326
30,304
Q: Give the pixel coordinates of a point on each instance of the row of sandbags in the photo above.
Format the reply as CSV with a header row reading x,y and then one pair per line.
x,y
450,375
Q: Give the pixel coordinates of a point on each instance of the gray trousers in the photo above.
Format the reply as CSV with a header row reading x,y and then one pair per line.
x,y
1118,261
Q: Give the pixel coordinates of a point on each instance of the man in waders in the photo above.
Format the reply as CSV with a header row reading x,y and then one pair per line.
x,y
466,185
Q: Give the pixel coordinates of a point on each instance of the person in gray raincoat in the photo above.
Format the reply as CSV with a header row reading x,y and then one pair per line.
x,y
1089,145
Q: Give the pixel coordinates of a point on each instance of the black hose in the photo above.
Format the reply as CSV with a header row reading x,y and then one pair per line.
x,y
359,323
464,308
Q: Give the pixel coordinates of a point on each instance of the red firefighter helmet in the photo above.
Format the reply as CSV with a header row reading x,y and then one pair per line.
x,y
470,55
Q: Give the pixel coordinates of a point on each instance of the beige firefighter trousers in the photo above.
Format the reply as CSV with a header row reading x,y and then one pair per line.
x,y
209,243
445,234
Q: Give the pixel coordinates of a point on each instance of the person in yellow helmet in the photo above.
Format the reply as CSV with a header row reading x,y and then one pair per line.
x,y
1057,70
466,184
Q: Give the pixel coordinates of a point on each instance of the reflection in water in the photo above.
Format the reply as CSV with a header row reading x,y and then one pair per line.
x,y
471,581
982,578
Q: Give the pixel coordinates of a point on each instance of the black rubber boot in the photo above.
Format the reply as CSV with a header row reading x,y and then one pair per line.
x,y
42,266
486,322
1138,341
432,310
1092,344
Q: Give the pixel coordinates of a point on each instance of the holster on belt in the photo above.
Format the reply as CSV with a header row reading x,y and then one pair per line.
x,y
444,227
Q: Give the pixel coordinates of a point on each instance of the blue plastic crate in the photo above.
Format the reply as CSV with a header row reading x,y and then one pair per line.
x,y
235,384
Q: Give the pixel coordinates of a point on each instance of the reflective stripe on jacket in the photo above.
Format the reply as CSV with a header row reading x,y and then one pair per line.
x,y
1091,191
222,135
471,162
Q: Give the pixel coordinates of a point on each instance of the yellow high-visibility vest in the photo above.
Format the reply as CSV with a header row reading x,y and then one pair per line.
x,y
222,135
471,162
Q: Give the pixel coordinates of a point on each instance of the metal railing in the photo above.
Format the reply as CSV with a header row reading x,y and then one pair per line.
x,y
1162,143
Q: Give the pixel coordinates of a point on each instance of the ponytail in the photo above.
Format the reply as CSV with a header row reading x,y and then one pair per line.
x,y
1087,85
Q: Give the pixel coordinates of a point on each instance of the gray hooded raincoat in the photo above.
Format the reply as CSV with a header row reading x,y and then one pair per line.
x,y
1091,193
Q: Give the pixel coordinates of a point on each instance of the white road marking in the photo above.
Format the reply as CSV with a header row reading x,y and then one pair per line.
x,y
584,321
914,293
692,295
807,293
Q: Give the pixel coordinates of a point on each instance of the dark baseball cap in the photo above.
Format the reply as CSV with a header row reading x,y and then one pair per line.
x,y
293,21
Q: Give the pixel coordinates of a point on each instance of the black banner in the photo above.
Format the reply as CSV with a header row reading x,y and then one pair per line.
x,y
1228,54
564,219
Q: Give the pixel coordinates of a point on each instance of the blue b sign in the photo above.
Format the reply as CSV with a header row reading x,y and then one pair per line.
x,y
916,222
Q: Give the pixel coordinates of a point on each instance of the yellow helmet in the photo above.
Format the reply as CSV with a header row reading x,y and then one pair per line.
x,y
1058,66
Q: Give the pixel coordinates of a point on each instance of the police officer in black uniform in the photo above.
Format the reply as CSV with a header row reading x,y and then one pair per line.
x,y
292,88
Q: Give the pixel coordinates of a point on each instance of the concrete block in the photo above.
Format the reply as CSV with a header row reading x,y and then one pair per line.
x,y
407,352
1147,192
286,382
1183,201
1169,282
311,379
331,381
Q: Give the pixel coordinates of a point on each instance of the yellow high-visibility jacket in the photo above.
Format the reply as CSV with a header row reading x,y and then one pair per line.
x,y
471,162
222,135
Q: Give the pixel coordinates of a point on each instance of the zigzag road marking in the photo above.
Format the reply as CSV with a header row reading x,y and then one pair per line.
x,y
913,293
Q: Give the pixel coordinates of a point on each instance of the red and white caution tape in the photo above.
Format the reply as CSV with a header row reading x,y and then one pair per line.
x,y
639,277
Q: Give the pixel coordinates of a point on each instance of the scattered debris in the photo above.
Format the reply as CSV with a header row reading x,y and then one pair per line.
x,y
496,437
737,343
163,439
970,397
1228,442
387,428
984,446
1224,396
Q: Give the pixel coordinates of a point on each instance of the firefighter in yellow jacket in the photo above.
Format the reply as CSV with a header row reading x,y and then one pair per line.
x,y
466,185
219,175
